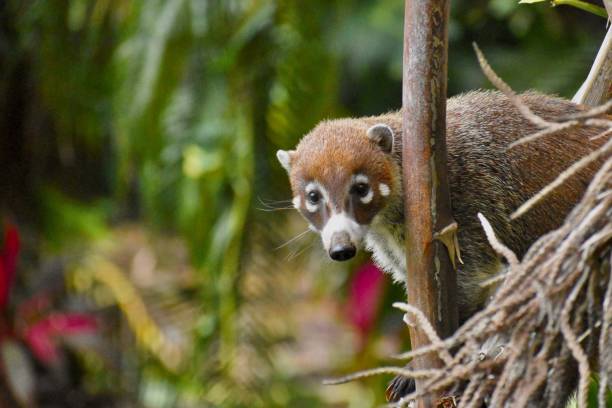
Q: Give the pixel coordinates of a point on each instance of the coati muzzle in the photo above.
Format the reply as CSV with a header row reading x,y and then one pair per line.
x,y
341,248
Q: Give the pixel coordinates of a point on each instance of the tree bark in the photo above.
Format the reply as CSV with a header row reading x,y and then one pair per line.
x,y
431,279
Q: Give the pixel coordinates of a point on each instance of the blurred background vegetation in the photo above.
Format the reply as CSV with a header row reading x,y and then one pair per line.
x,y
138,173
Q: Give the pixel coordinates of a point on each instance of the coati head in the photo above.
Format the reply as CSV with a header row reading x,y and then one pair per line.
x,y
342,175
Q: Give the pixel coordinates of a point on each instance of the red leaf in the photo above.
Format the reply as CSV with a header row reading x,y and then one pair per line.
x,y
43,335
4,286
8,261
39,340
364,298
72,323
11,244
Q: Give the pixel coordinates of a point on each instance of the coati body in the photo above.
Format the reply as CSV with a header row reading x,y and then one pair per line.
x,y
346,181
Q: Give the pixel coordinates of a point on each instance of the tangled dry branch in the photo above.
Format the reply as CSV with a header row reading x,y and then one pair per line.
x,y
550,321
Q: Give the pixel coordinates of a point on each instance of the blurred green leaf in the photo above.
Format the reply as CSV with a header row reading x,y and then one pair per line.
x,y
68,222
197,162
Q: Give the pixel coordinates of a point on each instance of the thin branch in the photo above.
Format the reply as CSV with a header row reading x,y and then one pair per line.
x,y
561,178
424,325
381,370
552,129
506,90
496,244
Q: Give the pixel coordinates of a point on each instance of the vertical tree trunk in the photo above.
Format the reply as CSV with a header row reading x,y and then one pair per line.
x,y
431,278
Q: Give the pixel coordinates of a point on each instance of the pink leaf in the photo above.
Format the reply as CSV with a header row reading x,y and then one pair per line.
x,y
8,261
72,323
11,246
39,340
364,298
4,285
43,335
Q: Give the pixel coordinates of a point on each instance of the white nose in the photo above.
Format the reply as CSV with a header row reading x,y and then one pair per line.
x,y
341,235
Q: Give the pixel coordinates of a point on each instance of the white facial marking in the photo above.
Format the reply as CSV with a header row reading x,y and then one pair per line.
x,y
361,178
342,223
311,207
316,186
368,197
324,193
297,202
310,187
313,185
384,189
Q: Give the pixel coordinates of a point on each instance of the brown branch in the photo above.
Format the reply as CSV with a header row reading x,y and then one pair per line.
x,y
432,280
426,327
378,371
606,327
496,244
505,88
561,178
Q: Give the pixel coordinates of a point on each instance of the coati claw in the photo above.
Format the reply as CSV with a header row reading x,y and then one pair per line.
x,y
448,236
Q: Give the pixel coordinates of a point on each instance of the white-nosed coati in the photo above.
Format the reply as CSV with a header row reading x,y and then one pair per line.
x,y
346,181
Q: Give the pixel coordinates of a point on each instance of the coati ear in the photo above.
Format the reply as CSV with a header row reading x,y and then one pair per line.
x,y
382,135
284,157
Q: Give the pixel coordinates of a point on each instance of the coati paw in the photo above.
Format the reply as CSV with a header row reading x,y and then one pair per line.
x,y
399,387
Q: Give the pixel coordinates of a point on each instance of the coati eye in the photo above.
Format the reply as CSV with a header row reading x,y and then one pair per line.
x,y
313,197
361,189
315,194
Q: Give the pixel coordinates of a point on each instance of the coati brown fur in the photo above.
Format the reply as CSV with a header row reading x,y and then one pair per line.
x,y
346,180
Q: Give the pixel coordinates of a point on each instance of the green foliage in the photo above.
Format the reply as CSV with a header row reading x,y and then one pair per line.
x,y
189,122
67,222
68,46
583,5
592,400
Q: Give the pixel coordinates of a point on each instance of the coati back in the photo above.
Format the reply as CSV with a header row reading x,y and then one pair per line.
x,y
346,181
